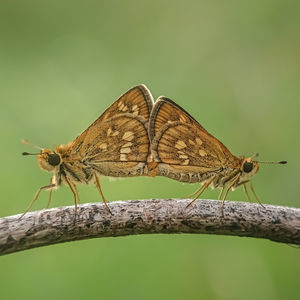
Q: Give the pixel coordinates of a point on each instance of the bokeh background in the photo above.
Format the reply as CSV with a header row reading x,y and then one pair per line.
x,y
234,65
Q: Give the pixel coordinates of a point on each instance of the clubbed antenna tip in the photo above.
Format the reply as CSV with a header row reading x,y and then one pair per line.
x,y
26,153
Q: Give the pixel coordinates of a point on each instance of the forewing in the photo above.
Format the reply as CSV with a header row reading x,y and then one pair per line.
x,y
177,139
137,101
122,138
119,135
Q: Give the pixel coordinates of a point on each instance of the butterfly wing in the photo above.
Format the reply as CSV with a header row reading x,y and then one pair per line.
x,y
184,150
117,143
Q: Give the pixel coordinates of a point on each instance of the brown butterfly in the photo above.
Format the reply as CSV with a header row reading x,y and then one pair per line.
x,y
116,144
183,150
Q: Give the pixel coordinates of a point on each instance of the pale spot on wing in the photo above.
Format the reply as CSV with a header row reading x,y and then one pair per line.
x,y
180,144
199,141
192,142
180,152
120,105
202,152
115,133
125,150
128,136
134,107
129,144
103,146
185,162
182,119
123,157
184,156
125,108
109,130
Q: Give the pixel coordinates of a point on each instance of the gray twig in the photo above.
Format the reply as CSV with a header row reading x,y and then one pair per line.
x,y
58,225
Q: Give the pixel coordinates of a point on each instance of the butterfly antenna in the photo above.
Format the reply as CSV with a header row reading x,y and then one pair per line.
x,y
26,153
255,155
25,142
283,162
268,162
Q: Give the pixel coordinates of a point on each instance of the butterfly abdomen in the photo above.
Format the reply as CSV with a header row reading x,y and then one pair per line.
x,y
120,169
188,176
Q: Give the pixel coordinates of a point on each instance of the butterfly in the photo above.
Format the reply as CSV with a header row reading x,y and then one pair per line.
x,y
183,150
116,145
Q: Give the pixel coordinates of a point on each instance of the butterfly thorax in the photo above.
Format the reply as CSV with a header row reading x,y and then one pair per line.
x,y
244,169
73,166
65,165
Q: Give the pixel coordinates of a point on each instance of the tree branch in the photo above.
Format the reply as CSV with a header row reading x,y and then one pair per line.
x,y
58,225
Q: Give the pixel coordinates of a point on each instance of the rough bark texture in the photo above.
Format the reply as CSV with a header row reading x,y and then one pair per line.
x,y
58,225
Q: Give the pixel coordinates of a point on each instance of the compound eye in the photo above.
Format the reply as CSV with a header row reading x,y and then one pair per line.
x,y
247,167
53,159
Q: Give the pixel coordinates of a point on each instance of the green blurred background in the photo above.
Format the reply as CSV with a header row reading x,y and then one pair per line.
x,y
234,65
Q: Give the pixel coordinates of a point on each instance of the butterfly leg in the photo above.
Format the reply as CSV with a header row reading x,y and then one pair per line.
x,y
75,193
201,190
97,183
195,193
257,199
245,188
46,187
49,199
50,195
221,192
234,181
246,191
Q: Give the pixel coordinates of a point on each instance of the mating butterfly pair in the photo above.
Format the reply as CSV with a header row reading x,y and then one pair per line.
x,y
137,137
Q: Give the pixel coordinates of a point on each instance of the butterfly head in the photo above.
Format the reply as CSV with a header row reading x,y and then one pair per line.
x,y
48,160
249,168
